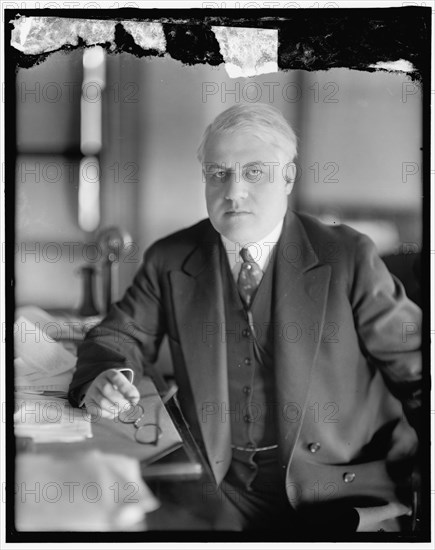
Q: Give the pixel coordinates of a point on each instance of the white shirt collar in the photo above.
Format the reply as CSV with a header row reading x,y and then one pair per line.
x,y
260,251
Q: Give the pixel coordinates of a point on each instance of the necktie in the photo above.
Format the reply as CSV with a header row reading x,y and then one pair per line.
x,y
249,277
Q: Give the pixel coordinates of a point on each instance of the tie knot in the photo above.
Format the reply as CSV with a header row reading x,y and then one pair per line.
x,y
250,276
246,255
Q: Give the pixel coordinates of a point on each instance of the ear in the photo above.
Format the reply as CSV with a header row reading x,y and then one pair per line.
x,y
289,176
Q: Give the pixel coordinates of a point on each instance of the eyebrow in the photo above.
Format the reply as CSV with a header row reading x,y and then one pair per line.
x,y
253,163
223,165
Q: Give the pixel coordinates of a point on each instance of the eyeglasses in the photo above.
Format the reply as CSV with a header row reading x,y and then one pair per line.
x,y
147,433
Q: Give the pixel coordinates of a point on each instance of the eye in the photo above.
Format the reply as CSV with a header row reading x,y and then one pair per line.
x,y
217,176
253,174
214,175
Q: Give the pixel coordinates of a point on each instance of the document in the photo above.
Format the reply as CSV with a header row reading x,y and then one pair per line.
x,y
48,419
80,491
41,364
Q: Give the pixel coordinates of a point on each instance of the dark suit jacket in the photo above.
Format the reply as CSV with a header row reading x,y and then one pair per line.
x,y
346,358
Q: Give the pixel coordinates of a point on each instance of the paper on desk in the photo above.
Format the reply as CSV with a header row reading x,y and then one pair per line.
x,y
37,382
81,491
41,364
47,419
39,351
62,327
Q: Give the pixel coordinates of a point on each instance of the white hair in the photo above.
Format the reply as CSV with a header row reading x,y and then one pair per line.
x,y
263,120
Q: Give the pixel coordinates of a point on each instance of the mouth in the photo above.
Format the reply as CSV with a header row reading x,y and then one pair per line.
x,y
237,213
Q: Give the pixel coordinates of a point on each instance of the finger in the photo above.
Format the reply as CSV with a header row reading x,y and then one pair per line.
x,y
113,399
389,511
102,398
375,514
108,383
396,509
120,383
97,409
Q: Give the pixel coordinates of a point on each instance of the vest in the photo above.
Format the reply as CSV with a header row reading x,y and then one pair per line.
x,y
251,378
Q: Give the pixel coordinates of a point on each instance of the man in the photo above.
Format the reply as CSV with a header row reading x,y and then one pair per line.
x,y
288,344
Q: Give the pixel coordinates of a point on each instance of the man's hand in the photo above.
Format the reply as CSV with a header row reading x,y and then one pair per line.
x,y
109,394
373,518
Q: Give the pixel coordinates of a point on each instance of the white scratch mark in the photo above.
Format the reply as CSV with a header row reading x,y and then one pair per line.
x,y
147,35
248,52
400,65
38,35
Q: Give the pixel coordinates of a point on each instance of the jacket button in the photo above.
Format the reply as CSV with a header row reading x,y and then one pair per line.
x,y
246,332
314,447
348,477
246,390
248,418
247,361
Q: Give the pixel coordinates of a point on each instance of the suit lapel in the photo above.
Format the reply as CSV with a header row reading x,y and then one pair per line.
x,y
301,290
200,316
300,295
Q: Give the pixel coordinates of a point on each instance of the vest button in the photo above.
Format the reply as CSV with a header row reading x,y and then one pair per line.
x,y
248,361
246,332
248,418
314,447
249,266
246,390
348,477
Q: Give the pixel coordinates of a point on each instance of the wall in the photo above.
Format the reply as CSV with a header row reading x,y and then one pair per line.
x,y
369,126
180,102
48,141
155,111
361,153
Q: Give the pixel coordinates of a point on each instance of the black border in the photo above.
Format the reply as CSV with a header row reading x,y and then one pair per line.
x,y
357,37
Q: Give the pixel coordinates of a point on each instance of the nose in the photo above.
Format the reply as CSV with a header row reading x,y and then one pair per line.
x,y
235,187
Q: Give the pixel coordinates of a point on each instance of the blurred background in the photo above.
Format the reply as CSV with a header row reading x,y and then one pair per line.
x,y
109,141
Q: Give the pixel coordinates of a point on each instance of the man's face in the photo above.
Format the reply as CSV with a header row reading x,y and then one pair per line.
x,y
246,192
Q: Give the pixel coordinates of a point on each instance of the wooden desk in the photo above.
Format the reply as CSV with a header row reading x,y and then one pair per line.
x,y
184,466
178,479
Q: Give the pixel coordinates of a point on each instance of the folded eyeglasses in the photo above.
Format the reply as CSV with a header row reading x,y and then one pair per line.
x,y
147,433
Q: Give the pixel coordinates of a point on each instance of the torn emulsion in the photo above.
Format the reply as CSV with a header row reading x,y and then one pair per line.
x,y
246,46
401,65
247,51
41,35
